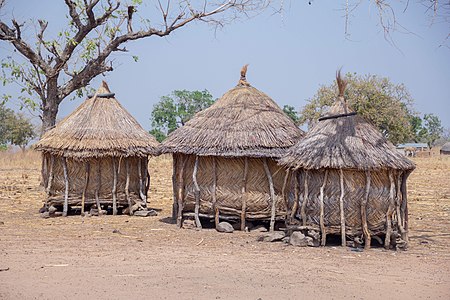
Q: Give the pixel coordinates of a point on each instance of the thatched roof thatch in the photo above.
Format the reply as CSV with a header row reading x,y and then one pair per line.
x,y
446,147
243,122
99,127
347,141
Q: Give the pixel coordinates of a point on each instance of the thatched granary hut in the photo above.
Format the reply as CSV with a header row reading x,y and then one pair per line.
x,y
224,158
348,179
97,156
445,150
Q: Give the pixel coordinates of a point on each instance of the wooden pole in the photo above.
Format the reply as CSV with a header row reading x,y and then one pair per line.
x,y
398,201
214,195
196,194
404,209
147,184
341,207
387,239
305,199
285,196
364,201
174,187
114,188
272,194
181,190
296,196
244,194
86,182
141,184
50,176
98,187
127,185
322,222
66,190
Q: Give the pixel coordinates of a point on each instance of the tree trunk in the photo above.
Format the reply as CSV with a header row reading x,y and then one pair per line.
x,y
50,105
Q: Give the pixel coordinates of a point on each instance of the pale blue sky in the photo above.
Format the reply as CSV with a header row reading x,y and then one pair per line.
x,y
290,56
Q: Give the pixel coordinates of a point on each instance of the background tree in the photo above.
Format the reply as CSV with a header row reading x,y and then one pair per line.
x,y
433,129
174,110
52,68
387,105
292,113
15,128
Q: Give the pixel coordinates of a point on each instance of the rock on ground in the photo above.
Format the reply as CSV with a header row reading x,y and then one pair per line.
x,y
272,236
298,239
224,227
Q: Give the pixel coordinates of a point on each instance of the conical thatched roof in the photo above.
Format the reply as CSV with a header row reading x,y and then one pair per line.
x,y
347,141
446,147
244,122
99,127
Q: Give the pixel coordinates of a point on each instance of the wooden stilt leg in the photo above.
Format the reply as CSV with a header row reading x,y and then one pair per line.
x,y
197,193
127,185
141,184
114,188
305,199
272,195
322,213
66,190
296,197
147,182
98,187
50,176
214,195
174,187
398,201
341,207
404,206
365,228
285,196
183,159
387,239
244,194
86,182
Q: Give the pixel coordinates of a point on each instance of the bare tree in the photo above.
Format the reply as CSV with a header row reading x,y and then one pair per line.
x,y
53,69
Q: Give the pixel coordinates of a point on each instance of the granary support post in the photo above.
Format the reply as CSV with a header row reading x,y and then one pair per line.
x,y
272,194
398,202
114,187
147,176
214,191
284,194
387,240
305,198
141,184
127,185
196,193
98,186
66,190
244,194
50,176
86,182
174,187
404,209
364,201
341,207
322,222
296,196
183,159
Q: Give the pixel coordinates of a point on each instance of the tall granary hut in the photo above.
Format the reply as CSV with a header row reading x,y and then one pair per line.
x,y
97,157
224,159
445,150
348,179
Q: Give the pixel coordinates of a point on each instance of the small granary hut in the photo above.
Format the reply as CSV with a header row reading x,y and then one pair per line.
x,y
445,150
224,159
97,156
348,179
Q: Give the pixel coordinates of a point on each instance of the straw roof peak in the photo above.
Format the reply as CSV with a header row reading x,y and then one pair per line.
x,y
243,79
342,84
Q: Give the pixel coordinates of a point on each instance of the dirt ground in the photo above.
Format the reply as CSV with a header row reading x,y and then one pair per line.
x,y
82,258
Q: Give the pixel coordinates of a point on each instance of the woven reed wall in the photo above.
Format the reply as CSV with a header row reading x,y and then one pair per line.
x,y
77,176
230,180
354,192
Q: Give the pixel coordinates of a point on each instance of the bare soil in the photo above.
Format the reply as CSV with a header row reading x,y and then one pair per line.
x,y
86,258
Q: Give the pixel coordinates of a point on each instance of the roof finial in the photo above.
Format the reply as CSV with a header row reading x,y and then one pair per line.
x,y
243,80
342,83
